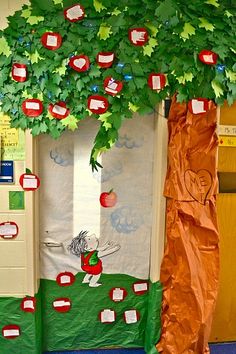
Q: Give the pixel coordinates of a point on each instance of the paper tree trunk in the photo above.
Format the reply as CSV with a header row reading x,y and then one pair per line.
x,y
190,268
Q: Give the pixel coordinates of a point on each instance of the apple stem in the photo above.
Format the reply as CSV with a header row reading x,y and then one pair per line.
x,y
110,191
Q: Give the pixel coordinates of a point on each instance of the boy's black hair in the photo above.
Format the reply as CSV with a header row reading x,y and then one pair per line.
x,y
78,244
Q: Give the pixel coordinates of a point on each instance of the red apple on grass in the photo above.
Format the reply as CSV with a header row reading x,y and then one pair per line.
x,y
108,199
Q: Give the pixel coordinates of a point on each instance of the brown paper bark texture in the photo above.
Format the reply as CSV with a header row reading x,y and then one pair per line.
x,y
190,268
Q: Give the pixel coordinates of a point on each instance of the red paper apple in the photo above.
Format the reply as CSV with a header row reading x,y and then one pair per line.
x,y
138,36
79,63
51,40
62,304
28,304
59,110
118,294
11,331
74,13
19,72
105,59
208,57
108,199
198,105
156,81
112,86
98,104
65,279
29,182
8,230
32,107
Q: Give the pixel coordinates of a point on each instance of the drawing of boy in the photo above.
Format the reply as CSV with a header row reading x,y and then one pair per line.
x,y
87,247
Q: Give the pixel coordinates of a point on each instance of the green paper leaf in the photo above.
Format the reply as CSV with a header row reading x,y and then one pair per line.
x,y
26,13
132,107
61,70
186,77
104,32
205,24
104,117
188,31
98,6
165,10
213,2
217,88
116,12
34,20
70,122
34,57
149,48
4,47
230,75
58,2
228,14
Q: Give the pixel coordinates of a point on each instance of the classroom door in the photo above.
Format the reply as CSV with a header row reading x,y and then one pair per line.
x,y
224,324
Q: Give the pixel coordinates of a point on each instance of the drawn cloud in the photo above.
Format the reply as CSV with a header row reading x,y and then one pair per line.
x,y
62,156
126,220
108,172
129,142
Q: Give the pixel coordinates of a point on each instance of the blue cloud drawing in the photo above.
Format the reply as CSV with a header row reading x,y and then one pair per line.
x,y
62,156
129,142
126,220
107,173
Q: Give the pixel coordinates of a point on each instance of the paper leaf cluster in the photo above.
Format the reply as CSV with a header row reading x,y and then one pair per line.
x,y
178,31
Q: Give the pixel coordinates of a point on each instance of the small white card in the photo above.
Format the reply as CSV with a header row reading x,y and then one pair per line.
x,y
118,294
11,332
30,182
140,287
131,316
137,36
208,58
65,279
107,316
51,41
96,104
156,82
8,230
29,304
21,72
74,12
32,105
105,58
59,110
198,107
61,303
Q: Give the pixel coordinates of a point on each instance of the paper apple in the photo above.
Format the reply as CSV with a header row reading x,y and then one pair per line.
x,y
29,182
74,13
118,294
11,331
105,59
79,63
138,36
28,304
65,279
208,57
8,230
59,110
51,40
62,304
156,81
112,86
19,72
198,105
108,199
98,104
32,107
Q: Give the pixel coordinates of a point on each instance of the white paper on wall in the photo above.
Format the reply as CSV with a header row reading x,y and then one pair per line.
x,y
8,229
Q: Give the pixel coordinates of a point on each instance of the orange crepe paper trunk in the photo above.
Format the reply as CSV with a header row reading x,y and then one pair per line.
x,y
190,268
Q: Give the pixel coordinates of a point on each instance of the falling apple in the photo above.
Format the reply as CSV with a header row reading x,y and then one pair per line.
x,y
108,199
